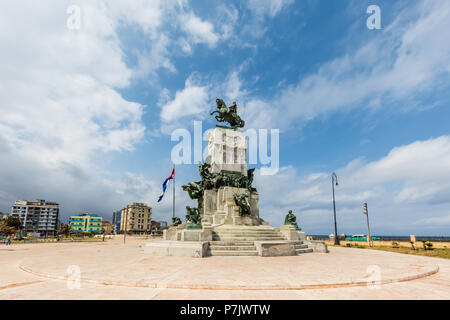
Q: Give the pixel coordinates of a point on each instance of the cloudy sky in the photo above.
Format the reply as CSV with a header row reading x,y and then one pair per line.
x,y
86,114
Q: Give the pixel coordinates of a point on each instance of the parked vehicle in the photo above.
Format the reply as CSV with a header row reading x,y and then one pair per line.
x,y
360,237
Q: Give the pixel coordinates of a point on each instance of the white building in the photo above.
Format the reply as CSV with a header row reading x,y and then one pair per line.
x,y
37,216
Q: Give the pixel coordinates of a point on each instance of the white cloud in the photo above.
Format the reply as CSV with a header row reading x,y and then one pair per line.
x,y
199,31
147,14
197,98
61,112
232,87
191,100
433,221
227,20
408,186
409,57
268,7
149,61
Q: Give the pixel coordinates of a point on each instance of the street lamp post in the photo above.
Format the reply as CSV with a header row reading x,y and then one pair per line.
x,y
366,212
334,180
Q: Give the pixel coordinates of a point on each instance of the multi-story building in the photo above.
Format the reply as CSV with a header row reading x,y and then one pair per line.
x,y
163,225
107,227
86,223
37,216
158,226
116,220
136,218
155,226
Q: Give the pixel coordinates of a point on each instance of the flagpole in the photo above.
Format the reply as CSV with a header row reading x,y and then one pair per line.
x,y
173,204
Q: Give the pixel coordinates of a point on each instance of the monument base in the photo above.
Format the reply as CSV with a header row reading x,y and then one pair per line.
x,y
220,207
234,240
194,249
181,234
290,233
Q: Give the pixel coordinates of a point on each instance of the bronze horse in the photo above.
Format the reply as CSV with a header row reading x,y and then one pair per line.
x,y
228,114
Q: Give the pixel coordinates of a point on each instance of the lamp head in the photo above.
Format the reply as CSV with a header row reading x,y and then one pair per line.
x,y
334,177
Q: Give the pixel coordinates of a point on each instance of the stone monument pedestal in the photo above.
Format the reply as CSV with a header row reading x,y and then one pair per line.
x,y
290,233
179,233
220,207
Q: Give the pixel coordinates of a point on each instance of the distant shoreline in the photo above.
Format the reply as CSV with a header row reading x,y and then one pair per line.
x,y
392,238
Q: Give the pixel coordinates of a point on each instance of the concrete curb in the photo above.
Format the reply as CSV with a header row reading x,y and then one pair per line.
x,y
236,287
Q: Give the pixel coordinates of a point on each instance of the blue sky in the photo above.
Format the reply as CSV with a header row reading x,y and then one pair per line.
x,y
88,112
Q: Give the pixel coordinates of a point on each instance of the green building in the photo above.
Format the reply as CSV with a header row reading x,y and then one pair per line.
x,y
86,223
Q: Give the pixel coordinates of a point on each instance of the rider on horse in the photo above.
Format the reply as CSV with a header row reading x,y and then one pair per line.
x,y
228,114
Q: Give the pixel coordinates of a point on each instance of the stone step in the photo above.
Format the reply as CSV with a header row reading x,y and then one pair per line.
x,y
300,251
232,253
301,246
233,247
244,227
244,230
247,238
231,243
247,234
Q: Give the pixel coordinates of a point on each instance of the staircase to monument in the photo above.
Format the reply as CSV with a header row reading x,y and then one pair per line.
x,y
232,248
301,248
231,240
245,248
245,233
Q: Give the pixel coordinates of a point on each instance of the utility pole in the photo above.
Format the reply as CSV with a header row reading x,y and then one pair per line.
x,y
334,181
366,212
173,193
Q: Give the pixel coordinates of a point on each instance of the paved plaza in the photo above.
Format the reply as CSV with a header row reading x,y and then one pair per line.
x,y
113,270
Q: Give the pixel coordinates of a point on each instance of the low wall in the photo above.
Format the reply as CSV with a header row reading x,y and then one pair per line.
x,y
275,248
317,245
381,243
194,249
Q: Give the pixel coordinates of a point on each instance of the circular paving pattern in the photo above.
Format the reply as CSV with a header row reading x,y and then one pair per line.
x,y
115,264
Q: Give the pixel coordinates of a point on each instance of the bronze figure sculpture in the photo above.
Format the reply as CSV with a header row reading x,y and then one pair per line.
x,y
176,221
291,219
193,217
241,202
228,114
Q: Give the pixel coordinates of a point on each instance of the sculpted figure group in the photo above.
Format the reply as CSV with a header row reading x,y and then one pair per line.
x,y
228,114
242,203
194,218
210,181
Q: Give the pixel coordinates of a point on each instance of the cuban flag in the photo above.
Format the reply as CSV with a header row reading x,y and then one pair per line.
x,y
164,185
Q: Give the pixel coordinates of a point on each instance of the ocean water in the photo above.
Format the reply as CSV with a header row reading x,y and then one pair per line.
x,y
392,238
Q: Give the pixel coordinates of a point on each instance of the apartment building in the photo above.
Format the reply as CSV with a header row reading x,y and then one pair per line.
x,y
116,220
38,216
107,227
86,223
136,218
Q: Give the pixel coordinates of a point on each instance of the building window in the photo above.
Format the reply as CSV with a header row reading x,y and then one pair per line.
x,y
224,154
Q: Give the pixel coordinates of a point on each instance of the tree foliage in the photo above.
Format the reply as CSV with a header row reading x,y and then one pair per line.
x,y
64,229
13,222
6,230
